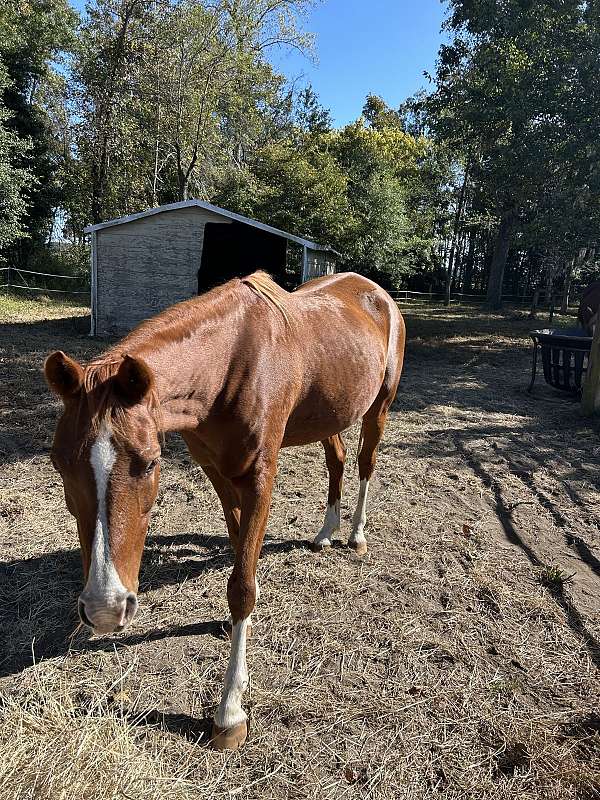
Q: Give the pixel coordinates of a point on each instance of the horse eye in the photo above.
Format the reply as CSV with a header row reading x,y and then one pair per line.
x,y
151,466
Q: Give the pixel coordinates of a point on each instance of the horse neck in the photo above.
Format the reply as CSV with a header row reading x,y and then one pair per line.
x,y
191,365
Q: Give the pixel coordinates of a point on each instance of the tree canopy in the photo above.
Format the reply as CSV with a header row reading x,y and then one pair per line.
x,y
488,183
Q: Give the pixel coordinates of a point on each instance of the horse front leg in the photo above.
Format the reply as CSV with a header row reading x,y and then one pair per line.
x,y
230,727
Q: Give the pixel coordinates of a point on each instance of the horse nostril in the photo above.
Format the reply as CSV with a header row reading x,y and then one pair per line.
x,y
82,614
131,606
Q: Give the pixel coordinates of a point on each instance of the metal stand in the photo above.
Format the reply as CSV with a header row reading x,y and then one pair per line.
x,y
534,365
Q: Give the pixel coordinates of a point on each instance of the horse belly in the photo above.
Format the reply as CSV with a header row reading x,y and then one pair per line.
x,y
333,404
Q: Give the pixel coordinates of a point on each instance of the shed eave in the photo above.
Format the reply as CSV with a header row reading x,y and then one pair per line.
x,y
223,212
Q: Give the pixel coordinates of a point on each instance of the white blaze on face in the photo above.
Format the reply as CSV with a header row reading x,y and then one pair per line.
x,y
103,582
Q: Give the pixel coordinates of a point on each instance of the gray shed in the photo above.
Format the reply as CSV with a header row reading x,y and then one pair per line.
x,y
145,262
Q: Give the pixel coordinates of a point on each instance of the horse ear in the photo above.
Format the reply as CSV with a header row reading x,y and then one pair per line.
x,y
63,374
134,380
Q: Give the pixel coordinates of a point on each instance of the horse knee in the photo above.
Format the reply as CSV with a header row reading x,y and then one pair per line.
x,y
241,596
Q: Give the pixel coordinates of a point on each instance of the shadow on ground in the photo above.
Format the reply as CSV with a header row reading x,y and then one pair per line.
x,y
51,614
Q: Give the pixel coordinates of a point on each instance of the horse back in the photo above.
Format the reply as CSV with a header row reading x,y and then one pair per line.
x,y
349,340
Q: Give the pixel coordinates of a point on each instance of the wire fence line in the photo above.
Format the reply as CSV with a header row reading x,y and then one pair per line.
x,y
400,295
406,294
45,274
24,285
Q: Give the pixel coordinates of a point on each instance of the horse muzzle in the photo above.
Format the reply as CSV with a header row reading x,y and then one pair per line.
x,y
107,614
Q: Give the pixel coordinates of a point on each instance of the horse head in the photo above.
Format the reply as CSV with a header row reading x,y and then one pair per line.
x,y
107,450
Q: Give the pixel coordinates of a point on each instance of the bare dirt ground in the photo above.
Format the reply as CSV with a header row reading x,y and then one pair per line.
x,y
459,659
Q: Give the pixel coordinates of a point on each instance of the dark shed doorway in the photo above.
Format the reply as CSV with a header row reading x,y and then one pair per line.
x,y
234,250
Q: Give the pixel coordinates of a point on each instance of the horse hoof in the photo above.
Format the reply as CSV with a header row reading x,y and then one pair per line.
x,y
319,547
228,738
360,548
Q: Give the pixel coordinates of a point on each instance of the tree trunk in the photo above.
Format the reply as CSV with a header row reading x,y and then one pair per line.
x,y
534,304
550,286
564,303
501,248
457,219
447,287
104,114
98,183
181,178
527,284
468,277
459,262
156,141
487,260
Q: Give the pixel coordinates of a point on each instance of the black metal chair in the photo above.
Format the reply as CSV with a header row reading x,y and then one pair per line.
x,y
565,355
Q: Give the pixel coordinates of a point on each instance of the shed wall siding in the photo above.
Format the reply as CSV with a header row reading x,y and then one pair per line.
x,y
148,264
318,263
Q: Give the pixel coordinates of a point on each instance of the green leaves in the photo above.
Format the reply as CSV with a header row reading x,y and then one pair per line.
x,y
174,97
14,180
514,88
33,37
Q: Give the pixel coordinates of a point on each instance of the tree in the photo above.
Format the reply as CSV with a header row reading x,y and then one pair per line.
x,y
389,173
174,94
296,185
504,90
379,115
105,97
33,38
309,114
14,180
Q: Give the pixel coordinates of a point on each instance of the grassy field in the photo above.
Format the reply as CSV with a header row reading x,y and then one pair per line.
x,y
459,659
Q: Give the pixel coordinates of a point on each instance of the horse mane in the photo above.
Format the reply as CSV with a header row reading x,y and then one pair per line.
x,y
103,402
265,287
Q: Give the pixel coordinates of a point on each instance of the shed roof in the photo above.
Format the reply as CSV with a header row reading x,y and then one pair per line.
x,y
215,210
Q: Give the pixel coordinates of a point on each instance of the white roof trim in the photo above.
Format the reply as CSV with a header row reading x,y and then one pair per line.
x,y
223,212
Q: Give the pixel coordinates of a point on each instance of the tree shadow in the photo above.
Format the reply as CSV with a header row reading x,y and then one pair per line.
x,y
30,407
503,513
45,589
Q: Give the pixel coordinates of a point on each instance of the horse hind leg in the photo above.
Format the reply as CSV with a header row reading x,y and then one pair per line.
x,y
373,425
371,432
335,457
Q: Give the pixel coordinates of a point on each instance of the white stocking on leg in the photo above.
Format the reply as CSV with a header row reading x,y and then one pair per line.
x,y
357,539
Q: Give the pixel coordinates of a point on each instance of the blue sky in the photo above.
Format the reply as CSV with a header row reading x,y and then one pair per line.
x,y
369,46
365,46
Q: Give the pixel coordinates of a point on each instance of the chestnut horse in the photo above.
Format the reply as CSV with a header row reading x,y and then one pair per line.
x,y
240,372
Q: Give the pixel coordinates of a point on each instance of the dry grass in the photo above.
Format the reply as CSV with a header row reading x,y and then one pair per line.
x,y
458,659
